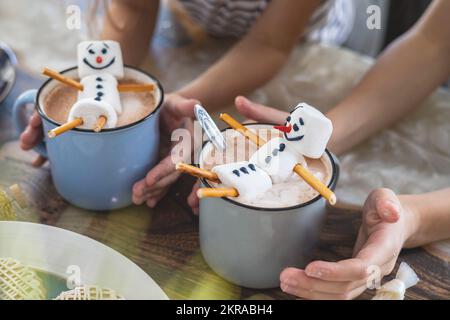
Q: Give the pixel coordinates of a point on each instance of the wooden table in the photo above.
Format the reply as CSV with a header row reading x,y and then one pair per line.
x,y
164,241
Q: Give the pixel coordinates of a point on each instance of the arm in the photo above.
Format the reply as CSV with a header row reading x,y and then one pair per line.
x,y
432,217
409,71
131,23
257,57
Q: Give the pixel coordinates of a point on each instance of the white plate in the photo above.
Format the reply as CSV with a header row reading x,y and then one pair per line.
x,y
54,250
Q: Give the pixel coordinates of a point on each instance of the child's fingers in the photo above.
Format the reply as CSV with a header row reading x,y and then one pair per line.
x,y
296,278
162,169
384,204
388,206
193,200
35,121
39,161
153,200
142,192
30,138
316,295
346,270
259,112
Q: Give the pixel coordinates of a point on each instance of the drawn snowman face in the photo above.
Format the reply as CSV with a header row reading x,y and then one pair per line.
x,y
292,129
307,131
100,57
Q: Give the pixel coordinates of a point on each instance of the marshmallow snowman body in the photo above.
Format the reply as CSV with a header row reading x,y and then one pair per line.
x,y
100,57
248,179
309,131
277,160
101,87
89,110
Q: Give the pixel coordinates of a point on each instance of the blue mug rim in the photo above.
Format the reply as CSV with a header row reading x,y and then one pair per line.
x,y
43,115
332,184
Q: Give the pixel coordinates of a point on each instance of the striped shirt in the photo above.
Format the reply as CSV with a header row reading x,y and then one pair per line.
x,y
331,23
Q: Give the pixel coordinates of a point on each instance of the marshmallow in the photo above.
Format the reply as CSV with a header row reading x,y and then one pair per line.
x,y
277,160
249,180
101,87
307,131
96,57
89,110
395,289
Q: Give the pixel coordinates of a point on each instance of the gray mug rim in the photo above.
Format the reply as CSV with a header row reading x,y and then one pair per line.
x,y
331,185
43,115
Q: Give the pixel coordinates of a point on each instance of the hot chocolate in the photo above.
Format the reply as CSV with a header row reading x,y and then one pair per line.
x,y
135,106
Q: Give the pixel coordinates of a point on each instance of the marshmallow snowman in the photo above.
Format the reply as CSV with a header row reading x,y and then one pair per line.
x,y
248,179
277,160
307,131
100,64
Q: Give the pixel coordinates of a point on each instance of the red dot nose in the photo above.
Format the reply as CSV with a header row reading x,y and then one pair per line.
x,y
99,59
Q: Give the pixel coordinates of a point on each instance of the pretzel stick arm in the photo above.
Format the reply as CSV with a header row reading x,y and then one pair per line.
x,y
197,172
136,87
315,183
217,192
59,77
233,123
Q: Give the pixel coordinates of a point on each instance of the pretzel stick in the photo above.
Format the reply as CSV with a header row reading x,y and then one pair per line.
x,y
57,76
65,127
197,172
217,192
304,173
233,123
136,87
315,183
101,122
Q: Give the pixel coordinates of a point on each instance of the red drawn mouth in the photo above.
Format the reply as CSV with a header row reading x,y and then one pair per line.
x,y
285,129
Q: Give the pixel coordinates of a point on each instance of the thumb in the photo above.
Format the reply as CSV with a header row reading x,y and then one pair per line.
x,y
259,112
386,205
179,106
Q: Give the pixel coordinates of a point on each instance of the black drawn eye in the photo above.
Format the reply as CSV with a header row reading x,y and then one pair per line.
x,y
244,170
104,51
288,119
295,127
301,121
91,51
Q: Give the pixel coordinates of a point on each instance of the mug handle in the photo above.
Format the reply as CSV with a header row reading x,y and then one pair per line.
x,y
20,117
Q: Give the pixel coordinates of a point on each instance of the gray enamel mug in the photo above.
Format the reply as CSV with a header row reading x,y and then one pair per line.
x,y
250,246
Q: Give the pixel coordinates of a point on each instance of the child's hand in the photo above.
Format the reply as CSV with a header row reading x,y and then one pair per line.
x,y
176,112
387,224
258,112
32,136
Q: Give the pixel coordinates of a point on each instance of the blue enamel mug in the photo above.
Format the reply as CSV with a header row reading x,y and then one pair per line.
x,y
96,171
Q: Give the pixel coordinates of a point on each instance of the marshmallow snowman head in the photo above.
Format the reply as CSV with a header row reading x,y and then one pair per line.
x,y
250,181
307,131
97,57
